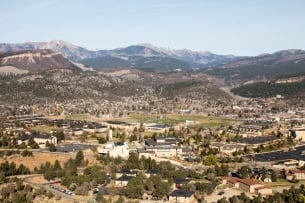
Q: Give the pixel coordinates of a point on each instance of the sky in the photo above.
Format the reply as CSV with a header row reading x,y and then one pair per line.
x,y
239,27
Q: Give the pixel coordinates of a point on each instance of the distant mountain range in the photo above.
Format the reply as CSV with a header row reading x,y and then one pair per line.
x,y
264,67
142,56
235,70
258,76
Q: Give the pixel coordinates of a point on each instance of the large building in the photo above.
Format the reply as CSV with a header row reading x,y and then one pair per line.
x,y
162,146
115,149
38,138
247,185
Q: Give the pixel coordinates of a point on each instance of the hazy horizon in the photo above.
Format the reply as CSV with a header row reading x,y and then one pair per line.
x,y
221,27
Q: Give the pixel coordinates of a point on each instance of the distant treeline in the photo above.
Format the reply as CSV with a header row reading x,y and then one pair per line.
x,y
266,89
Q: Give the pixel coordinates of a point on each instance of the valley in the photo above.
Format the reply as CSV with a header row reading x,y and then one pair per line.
x,y
143,123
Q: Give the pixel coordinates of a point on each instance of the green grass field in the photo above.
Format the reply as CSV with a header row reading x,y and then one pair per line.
x,y
171,119
77,117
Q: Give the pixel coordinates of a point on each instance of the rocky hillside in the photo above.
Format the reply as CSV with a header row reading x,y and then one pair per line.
x,y
71,51
66,84
33,61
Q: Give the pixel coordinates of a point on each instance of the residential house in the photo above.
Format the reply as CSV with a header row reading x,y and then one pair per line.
x,y
126,172
180,182
123,181
182,196
151,172
295,174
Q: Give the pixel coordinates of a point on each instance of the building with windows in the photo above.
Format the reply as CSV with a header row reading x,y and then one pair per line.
x,y
247,185
162,146
115,149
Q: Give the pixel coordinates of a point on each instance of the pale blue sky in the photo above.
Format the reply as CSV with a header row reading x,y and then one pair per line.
x,y
239,27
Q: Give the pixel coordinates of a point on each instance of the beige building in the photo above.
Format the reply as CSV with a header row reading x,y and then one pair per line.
x,y
227,148
247,185
123,181
298,134
295,174
263,190
162,146
38,138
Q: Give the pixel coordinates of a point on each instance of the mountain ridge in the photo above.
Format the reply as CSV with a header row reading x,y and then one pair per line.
x,y
77,53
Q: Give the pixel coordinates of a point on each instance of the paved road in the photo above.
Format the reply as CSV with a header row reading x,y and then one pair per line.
x,y
65,196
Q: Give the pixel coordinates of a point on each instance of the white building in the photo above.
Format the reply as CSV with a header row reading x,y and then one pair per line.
x,y
38,138
115,149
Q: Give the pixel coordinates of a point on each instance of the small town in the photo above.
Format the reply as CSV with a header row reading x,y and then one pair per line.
x,y
142,155
152,101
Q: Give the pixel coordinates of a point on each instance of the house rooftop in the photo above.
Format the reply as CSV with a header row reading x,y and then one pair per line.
x,y
153,171
181,180
125,178
181,193
248,181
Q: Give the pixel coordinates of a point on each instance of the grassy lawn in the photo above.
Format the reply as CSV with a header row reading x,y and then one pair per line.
x,y
201,121
284,183
77,116
43,128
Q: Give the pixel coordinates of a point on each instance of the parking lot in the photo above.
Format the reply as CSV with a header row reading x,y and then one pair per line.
x,y
68,192
255,140
73,147
294,153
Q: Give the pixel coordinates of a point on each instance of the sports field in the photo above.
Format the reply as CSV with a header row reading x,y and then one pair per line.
x,y
171,119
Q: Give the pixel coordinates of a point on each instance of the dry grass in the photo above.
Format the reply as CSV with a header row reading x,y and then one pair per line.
x,y
37,159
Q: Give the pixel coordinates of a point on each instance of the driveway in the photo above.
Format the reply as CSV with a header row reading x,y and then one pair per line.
x,y
227,193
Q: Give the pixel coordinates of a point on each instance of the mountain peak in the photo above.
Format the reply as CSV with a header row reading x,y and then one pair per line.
x,y
77,53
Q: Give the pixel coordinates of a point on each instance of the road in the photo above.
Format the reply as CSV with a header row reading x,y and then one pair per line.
x,y
69,198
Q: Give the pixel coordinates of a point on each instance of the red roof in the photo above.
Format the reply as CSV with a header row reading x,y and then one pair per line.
x,y
249,181
230,179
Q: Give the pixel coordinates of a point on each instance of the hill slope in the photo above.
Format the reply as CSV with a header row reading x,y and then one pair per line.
x,y
35,60
262,67
138,62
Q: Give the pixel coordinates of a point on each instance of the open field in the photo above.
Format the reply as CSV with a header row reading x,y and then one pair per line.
x,y
77,116
43,128
38,159
285,183
170,119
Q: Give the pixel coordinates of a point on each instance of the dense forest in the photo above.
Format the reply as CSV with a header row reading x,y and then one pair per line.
x,y
244,73
267,89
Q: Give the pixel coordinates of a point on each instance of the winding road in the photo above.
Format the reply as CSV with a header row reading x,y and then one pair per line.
x,y
46,186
